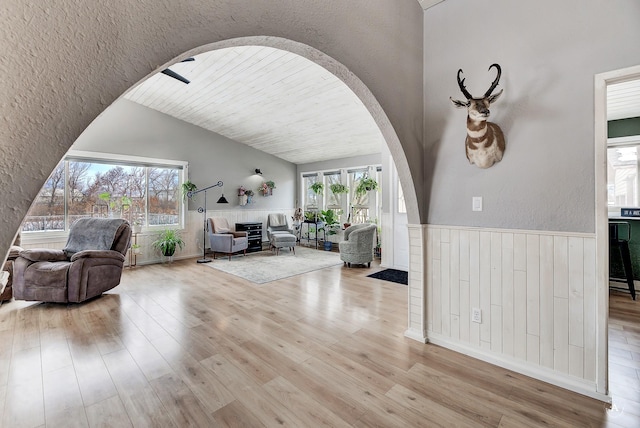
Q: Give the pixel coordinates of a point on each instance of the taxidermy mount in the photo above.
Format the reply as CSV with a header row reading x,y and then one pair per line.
x,y
485,140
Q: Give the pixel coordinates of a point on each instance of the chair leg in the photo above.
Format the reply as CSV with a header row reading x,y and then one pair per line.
x,y
628,271
369,264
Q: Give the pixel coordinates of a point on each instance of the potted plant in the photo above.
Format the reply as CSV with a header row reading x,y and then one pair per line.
x,y
337,188
167,242
187,187
317,187
366,185
249,194
331,226
135,248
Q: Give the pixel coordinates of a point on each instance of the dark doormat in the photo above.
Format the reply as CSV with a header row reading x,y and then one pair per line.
x,y
393,275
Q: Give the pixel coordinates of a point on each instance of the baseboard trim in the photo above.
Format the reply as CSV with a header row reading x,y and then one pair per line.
x,y
415,335
561,380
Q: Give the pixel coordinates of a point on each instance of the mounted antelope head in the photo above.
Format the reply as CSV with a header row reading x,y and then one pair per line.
x,y
485,140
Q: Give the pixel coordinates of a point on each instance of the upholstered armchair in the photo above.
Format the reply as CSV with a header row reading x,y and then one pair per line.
x,y
357,246
90,263
224,240
278,223
14,251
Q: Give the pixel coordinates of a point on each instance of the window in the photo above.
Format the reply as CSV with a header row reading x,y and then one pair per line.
x,y
333,201
622,174
359,202
310,198
143,193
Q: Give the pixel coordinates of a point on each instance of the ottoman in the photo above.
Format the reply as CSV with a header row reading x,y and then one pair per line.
x,y
283,239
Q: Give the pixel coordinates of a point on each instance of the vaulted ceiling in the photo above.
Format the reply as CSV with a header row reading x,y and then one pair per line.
x,y
269,99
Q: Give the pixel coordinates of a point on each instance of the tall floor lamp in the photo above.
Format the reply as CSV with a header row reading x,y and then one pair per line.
x,y
203,210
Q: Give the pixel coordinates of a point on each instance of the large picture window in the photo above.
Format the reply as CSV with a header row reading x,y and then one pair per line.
x,y
144,194
622,173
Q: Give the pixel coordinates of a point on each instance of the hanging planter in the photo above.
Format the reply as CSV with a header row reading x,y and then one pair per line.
x,y
317,187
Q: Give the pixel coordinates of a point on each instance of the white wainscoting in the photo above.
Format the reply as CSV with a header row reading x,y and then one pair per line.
x,y
536,291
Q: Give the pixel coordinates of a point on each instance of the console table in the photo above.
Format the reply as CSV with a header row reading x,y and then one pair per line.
x,y
254,233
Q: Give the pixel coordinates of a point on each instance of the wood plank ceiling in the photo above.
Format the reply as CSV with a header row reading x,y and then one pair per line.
x,y
623,100
269,99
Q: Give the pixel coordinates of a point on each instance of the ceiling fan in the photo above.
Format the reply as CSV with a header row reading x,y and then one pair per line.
x,y
175,75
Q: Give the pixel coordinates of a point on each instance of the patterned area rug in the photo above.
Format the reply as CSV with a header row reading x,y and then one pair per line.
x,y
265,266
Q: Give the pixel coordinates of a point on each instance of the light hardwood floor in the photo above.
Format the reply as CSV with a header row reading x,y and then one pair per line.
x,y
186,345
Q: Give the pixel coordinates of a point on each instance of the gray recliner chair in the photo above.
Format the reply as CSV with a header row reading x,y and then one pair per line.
x,y
224,240
357,246
90,264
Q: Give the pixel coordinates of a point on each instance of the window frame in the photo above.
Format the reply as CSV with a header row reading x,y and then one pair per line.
x,y
123,160
619,142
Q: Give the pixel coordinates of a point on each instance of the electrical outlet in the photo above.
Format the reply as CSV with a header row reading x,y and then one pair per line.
x,y
476,315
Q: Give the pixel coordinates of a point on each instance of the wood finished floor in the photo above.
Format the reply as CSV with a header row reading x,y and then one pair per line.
x,y
186,345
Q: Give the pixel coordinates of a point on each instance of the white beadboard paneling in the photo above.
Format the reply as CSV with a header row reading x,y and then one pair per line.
x,y
561,334
445,284
576,296
485,286
454,272
560,267
496,268
507,294
533,284
474,283
465,312
520,318
590,309
534,289
546,301
464,255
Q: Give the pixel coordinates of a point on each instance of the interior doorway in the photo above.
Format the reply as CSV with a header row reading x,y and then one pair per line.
x,y
614,328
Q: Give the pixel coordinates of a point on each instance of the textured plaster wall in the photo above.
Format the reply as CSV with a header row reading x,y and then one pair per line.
x,y
549,52
64,62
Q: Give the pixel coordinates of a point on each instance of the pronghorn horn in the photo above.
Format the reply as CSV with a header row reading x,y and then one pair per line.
x,y
462,88
495,82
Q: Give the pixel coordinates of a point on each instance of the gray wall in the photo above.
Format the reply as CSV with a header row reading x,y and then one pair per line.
x,y
63,65
549,52
131,129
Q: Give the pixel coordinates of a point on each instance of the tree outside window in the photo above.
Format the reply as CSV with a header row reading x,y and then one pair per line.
x,y
141,194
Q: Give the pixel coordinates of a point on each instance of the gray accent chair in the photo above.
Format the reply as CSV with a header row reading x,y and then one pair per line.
x,y
90,264
280,234
357,246
224,240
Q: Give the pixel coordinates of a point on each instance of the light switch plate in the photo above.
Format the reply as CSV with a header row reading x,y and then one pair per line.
x,y
476,203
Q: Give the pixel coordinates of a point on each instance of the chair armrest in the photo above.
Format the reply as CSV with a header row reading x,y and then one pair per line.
x,y
14,252
240,234
98,254
43,255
